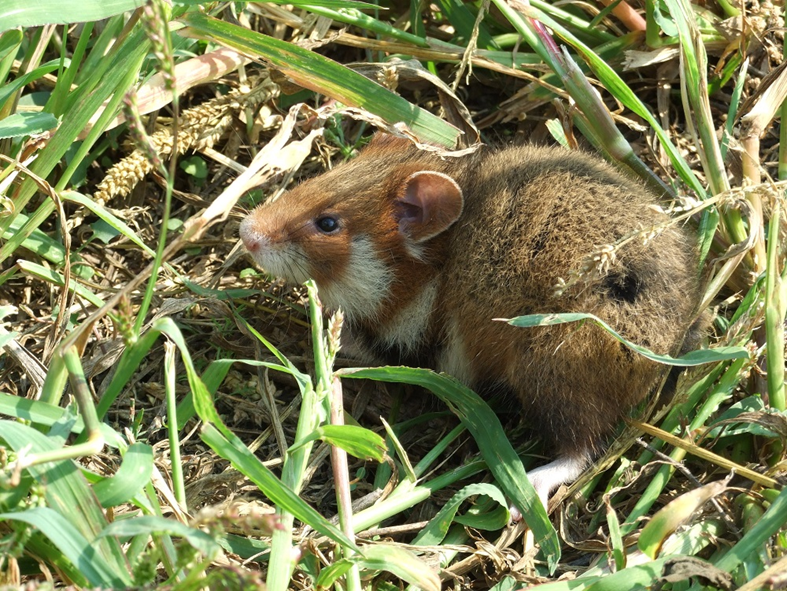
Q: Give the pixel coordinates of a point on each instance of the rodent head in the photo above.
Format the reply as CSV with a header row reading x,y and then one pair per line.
x,y
355,230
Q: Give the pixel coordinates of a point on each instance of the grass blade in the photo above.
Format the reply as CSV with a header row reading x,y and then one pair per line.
x,y
69,497
437,528
688,360
153,524
21,124
283,497
320,74
772,521
41,272
132,476
70,541
774,315
22,13
673,515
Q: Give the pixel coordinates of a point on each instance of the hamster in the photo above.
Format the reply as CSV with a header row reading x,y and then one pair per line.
x,y
422,253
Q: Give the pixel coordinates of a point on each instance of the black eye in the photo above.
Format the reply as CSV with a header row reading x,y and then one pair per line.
x,y
327,224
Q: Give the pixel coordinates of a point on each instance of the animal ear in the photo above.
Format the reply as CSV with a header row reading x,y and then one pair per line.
x,y
430,204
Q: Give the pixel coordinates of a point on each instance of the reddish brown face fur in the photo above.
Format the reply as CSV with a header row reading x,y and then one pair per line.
x,y
375,252
286,243
422,254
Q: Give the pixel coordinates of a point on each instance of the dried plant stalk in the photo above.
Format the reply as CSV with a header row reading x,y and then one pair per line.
x,y
200,127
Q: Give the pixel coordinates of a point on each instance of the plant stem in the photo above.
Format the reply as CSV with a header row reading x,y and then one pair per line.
x,y
172,424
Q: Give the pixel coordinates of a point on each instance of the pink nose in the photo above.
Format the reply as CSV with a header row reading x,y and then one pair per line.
x,y
251,239
252,243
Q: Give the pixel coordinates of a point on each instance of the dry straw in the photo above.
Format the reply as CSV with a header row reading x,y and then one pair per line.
x,y
200,127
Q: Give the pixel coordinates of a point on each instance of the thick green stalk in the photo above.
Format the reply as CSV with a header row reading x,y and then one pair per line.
x,y
172,424
783,128
774,315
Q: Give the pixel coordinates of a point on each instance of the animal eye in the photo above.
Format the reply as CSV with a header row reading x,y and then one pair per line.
x,y
327,224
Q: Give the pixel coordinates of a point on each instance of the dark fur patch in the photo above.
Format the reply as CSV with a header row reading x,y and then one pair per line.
x,y
497,393
394,355
627,353
539,242
623,287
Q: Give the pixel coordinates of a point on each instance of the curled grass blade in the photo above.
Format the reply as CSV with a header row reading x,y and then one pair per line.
x,y
772,521
437,528
356,441
384,557
673,515
132,476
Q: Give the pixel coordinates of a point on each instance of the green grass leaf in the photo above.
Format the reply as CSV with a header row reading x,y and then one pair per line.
x,y
23,13
41,272
690,359
69,496
21,124
356,441
325,76
437,528
118,70
46,247
153,524
74,546
644,576
132,476
673,515
343,4
463,21
772,521
44,414
392,559
10,88
9,44
273,488
352,16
